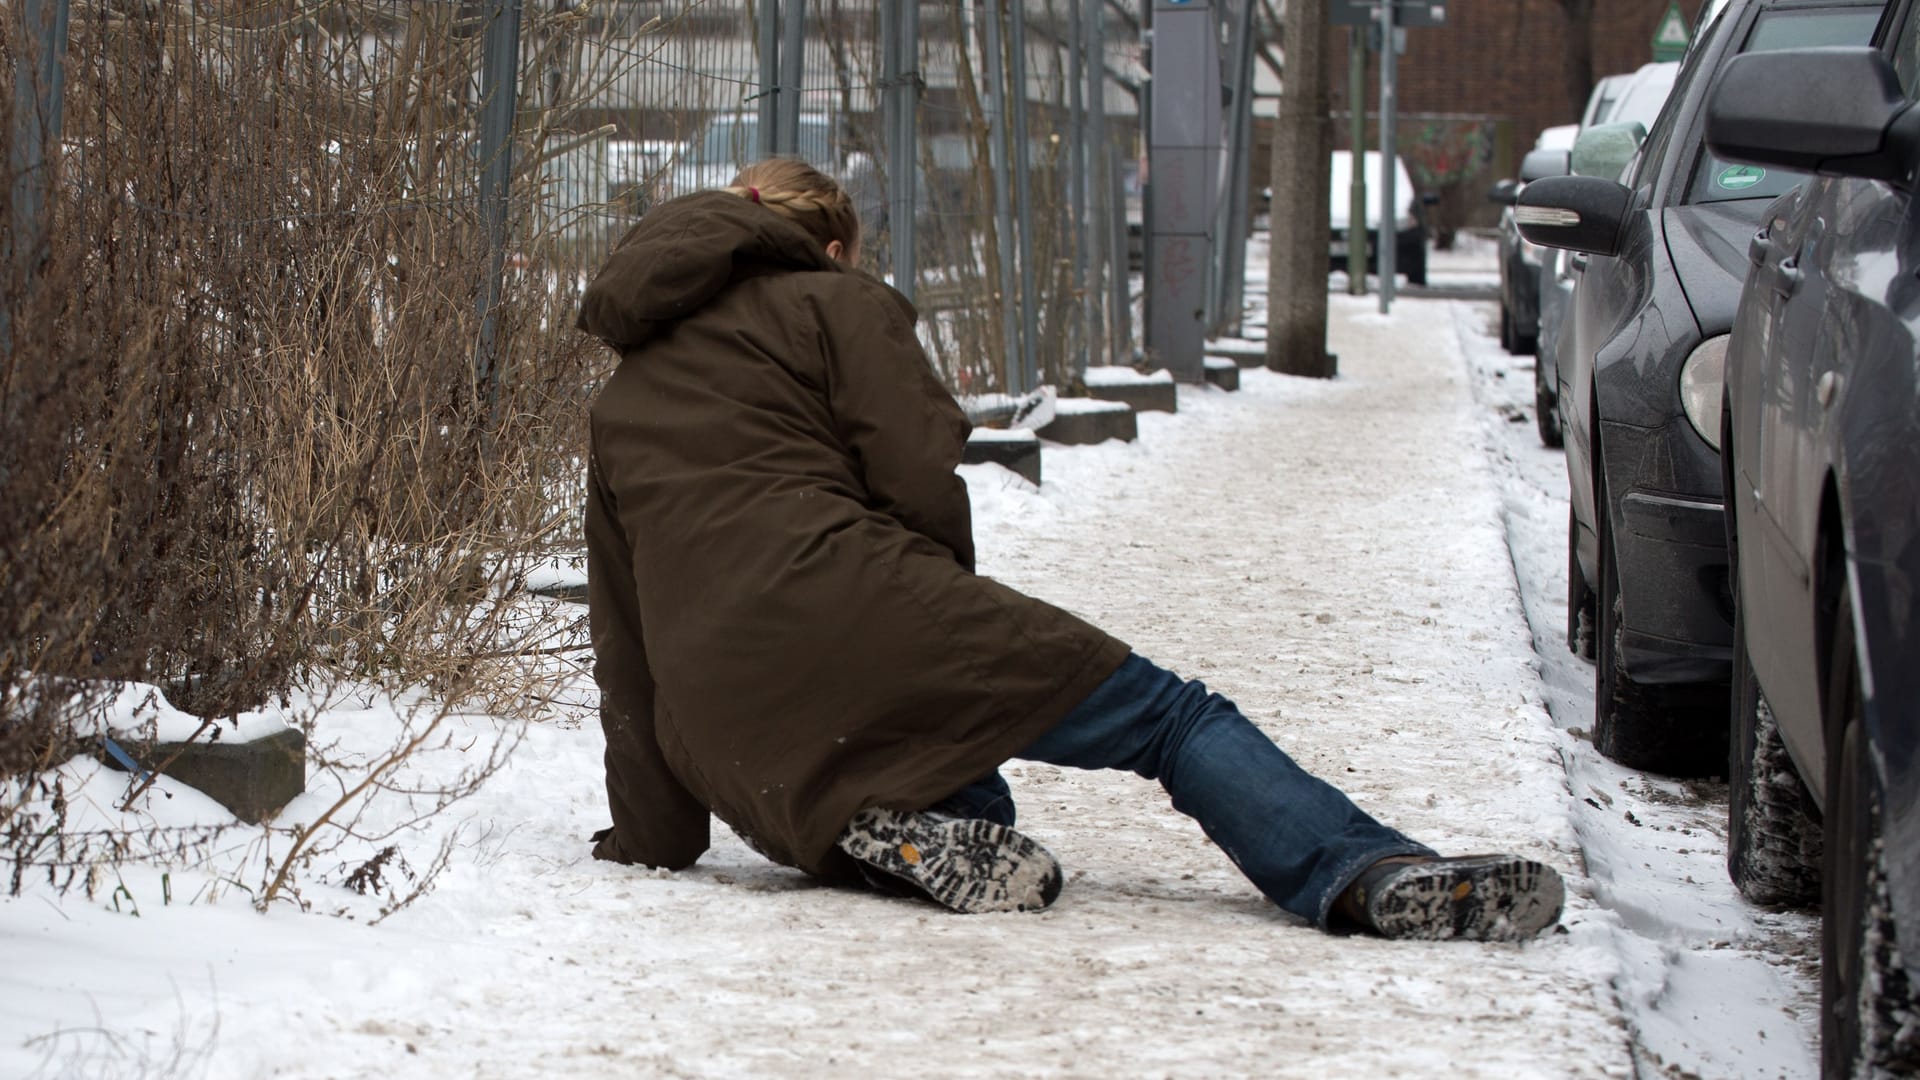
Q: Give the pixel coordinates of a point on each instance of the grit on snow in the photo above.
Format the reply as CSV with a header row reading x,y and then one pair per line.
x,y
1334,556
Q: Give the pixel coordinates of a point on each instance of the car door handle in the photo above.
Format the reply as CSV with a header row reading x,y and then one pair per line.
x,y
1786,276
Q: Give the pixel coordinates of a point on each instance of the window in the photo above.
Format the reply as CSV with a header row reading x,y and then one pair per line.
x,y
1715,180
1906,54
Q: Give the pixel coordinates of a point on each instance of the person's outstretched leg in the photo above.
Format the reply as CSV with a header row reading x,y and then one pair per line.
x,y
1300,840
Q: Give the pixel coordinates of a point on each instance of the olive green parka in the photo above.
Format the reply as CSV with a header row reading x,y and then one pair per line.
x,y
786,623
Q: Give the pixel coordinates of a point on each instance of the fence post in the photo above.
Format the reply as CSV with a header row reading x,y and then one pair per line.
x,y
906,152
793,66
1224,300
996,94
899,79
499,89
1119,322
39,94
1023,193
767,134
1081,344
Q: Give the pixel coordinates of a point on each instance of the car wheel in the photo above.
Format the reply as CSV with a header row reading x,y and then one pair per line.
x,y
1679,730
1546,410
1863,987
1506,328
1580,628
1414,265
1773,828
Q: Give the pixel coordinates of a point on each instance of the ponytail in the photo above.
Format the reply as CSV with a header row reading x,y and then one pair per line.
x,y
803,194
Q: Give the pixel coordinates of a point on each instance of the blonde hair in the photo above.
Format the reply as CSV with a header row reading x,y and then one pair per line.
x,y
803,194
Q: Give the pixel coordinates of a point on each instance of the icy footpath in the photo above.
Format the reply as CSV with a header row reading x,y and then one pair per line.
x,y
1330,555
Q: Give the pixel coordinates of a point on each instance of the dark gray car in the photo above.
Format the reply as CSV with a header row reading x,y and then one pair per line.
x,y
1639,391
1821,449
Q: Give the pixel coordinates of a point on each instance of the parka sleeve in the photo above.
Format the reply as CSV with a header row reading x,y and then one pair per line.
x,y
898,419
656,821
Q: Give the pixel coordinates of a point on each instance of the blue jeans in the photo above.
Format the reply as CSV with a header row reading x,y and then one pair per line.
x,y
1299,839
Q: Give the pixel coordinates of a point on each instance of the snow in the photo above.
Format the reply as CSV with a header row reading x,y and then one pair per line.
x,y
1115,375
1002,435
1370,566
140,712
1079,406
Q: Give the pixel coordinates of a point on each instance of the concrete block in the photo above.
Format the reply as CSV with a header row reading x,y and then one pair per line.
x,y
1145,393
1243,353
1016,450
1222,373
1085,421
254,779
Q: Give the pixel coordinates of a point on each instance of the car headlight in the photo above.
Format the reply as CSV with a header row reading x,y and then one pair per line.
x,y
1701,379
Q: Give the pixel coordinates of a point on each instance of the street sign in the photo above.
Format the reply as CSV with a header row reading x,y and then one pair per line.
x,y
1670,37
1405,12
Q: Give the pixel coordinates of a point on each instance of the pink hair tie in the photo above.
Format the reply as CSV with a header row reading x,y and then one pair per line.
x,y
753,193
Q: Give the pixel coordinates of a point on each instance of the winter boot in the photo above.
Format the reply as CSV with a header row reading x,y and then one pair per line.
x,y
1477,897
966,864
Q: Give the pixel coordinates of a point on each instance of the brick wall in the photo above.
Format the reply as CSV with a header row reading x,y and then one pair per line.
x,y
1492,77
1507,59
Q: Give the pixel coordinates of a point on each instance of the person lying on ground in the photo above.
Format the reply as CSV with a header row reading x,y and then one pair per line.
x,y
789,634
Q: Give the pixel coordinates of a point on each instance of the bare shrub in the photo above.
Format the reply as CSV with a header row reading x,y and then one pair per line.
x,y
249,436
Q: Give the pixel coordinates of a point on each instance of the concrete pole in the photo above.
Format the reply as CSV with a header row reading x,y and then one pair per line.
x,y
1184,148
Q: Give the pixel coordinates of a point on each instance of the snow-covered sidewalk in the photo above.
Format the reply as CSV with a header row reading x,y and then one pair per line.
x,y
1332,555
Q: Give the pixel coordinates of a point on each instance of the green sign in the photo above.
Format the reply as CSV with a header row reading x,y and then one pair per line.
x,y
1736,177
1670,37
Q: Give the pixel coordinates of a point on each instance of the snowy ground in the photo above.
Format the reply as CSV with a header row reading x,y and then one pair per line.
x,y
1370,566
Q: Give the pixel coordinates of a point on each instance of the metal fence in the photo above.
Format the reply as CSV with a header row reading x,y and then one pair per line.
x,y
993,146
1002,213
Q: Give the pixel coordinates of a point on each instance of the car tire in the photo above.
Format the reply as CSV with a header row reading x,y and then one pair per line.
x,y
1677,730
1864,990
1773,828
1580,606
1506,328
1546,411
1415,265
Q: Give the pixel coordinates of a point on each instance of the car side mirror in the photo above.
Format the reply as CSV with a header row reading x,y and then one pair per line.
x,y
1506,192
1785,108
1543,163
1603,150
1579,213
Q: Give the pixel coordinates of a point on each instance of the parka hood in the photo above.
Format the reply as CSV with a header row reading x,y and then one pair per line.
x,y
684,253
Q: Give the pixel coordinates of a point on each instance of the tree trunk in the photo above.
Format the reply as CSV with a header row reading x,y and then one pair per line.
x,y
1579,66
1302,145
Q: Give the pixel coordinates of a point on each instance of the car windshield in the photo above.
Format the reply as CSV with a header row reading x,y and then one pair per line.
x,y
1715,180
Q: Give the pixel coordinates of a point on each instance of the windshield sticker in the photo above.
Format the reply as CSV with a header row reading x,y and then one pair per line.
x,y
1737,177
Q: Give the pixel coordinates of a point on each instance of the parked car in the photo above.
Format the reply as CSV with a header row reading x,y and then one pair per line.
x,y
1636,97
1520,260
1410,218
731,141
1648,592
1820,445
